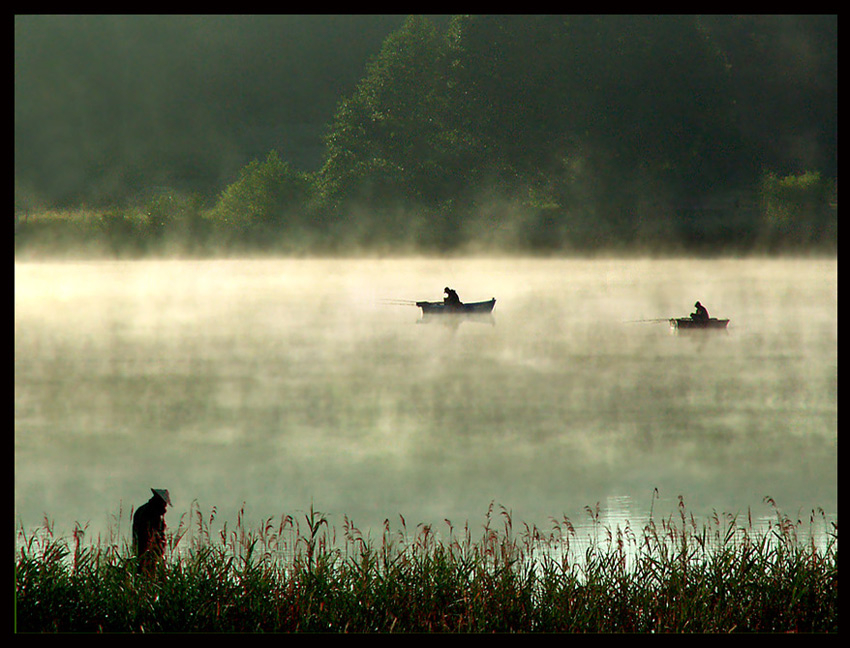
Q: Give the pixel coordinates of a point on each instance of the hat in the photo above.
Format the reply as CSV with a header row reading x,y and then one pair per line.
x,y
163,494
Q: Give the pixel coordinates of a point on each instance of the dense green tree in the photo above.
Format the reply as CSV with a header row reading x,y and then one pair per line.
x,y
504,99
556,131
267,200
796,209
784,81
381,141
520,102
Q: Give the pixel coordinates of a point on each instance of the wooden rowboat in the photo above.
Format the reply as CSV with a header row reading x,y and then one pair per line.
x,y
470,308
681,323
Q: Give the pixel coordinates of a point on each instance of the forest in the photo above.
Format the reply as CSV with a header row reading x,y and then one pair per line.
x,y
200,135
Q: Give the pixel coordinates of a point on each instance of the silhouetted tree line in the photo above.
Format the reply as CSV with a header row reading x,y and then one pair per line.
x,y
552,133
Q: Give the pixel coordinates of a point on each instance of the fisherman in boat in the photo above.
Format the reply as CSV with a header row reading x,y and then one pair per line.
x,y
701,314
451,300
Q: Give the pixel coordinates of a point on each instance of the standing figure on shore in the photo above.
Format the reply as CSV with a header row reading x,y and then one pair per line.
x,y
149,530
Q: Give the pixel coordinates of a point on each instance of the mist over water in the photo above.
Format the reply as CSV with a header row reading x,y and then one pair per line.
x,y
290,383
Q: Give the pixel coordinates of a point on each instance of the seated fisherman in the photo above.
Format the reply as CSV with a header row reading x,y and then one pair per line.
x,y
451,299
701,314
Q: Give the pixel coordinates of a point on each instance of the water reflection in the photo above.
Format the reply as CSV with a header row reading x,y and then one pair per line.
x,y
285,383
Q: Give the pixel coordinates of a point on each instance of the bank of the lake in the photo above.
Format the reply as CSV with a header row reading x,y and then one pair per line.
x,y
674,575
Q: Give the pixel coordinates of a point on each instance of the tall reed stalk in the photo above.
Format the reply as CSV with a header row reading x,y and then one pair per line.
x,y
295,574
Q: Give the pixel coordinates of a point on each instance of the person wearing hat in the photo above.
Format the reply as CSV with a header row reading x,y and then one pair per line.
x,y
701,314
149,530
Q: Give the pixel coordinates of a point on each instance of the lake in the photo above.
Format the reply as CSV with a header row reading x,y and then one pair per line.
x,y
295,382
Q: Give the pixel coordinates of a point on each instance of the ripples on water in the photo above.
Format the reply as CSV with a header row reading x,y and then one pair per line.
x,y
290,382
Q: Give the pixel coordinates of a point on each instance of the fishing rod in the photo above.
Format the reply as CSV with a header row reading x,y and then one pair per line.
x,y
659,319
398,302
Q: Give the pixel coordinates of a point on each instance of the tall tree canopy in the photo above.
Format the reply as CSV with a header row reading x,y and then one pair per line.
x,y
578,127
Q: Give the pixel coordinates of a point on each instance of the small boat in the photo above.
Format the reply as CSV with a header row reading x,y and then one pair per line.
x,y
681,323
470,308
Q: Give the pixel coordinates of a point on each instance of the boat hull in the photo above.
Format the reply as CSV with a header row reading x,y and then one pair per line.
x,y
471,308
686,323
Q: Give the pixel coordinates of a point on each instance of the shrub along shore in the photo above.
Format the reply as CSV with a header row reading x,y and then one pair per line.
x,y
299,574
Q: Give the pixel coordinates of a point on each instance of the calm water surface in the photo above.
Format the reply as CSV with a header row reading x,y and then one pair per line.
x,y
286,383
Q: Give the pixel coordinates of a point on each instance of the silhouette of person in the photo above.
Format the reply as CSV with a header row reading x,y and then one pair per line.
x,y
451,299
149,530
701,314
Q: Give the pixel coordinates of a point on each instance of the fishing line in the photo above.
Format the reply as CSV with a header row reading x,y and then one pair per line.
x,y
660,319
397,302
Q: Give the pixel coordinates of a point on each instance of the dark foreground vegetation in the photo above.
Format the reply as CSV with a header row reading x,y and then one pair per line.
x,y
297,575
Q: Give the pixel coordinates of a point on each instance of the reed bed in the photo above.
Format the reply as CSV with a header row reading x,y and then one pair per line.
x,y
300,574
